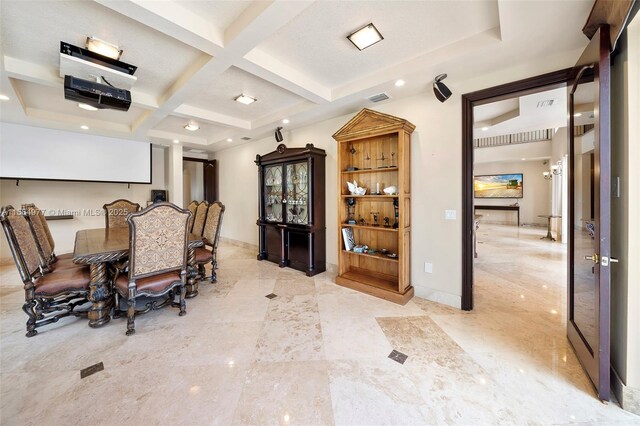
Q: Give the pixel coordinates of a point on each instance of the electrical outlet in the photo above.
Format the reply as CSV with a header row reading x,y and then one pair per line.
x,y
428,267
450,214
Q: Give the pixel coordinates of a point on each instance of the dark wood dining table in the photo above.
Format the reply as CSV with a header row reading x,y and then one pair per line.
x,y
98,247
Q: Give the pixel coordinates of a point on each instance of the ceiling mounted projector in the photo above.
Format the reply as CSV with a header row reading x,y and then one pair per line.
x,y
97,95
441,91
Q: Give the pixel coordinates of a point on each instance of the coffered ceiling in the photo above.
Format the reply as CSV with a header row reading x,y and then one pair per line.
x,y
194,57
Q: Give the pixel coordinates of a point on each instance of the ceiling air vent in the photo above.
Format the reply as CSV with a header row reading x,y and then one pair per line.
x,y
245,138
547,103
197,151
379,97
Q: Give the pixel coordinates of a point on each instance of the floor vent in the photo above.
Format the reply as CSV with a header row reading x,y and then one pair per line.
x,y
379,97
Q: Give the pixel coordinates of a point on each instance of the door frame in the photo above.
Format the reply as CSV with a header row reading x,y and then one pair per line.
x,y
526,86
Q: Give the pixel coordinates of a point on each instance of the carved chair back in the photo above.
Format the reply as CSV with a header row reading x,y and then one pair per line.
x,y
213,224
39,228
22,244
192,207
201,215
116,212
158,240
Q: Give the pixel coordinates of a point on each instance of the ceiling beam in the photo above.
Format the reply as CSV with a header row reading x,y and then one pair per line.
x,y
171,19
212,117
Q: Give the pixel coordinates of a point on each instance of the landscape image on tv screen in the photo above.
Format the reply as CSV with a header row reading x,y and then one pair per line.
x,y
498,186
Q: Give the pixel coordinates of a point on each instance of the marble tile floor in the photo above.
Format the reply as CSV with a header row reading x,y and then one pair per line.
x,y
317,354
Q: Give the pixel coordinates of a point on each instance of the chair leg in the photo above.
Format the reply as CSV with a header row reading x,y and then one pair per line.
x,y
29,309
214,266
131,316
201,272
183,304
116,304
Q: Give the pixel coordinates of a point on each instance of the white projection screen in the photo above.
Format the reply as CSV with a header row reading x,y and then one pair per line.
x,y
35,153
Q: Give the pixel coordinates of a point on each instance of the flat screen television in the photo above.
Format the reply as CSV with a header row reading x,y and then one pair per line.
x,y
498,186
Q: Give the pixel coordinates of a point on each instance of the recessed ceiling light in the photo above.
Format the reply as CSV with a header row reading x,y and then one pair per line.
x,y
192,126
4,98
103,48
577,114
523,159
87,107
84,127
244,99
365,36
484,129
285,121
399,83
176,141
229,140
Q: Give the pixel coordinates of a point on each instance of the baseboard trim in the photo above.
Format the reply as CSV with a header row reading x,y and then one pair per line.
x,y
438,296
239,243
627,396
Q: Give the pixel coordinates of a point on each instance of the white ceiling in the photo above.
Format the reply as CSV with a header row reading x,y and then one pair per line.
x,y
194,57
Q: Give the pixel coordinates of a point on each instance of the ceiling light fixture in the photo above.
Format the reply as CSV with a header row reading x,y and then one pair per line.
x,y
484,129
4,98
441,91
399,83
244,99
87,107
176,141
84,127
192,126
577,114
103,48
229,140
365,37
285,121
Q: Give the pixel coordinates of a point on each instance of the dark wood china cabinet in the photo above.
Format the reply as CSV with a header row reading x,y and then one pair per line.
x,y
291,222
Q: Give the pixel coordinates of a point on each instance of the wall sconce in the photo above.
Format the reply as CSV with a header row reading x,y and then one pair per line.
x,y
556,169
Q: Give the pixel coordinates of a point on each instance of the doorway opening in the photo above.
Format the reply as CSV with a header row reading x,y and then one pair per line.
x,y
502,114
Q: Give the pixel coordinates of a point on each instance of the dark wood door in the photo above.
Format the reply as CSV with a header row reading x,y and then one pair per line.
x,y
210,174
588,301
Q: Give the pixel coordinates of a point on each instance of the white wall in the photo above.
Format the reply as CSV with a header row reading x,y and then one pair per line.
x,y
86,198
436,175
536,194
193,181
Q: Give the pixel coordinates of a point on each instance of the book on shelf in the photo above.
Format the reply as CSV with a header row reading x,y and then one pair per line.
x,y
348,238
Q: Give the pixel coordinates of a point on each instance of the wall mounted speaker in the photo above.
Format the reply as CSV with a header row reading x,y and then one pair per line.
x,y
441,91
158,195
278,134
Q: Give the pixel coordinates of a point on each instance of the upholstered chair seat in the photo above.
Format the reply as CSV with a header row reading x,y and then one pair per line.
x,y
63,281
153,284
203,255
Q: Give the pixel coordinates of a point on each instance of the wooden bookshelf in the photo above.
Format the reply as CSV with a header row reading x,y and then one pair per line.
x,y
379,146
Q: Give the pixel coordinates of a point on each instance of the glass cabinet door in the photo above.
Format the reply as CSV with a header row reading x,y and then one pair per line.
x,y
297,196
273,193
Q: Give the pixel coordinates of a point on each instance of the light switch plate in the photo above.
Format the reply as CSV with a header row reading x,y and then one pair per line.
x,y
450,214
428,267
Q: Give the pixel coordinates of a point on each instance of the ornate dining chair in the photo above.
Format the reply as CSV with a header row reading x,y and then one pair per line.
x,y
45,225
116,212
48,296
211,234
201,216
157,259
39,228
192,207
